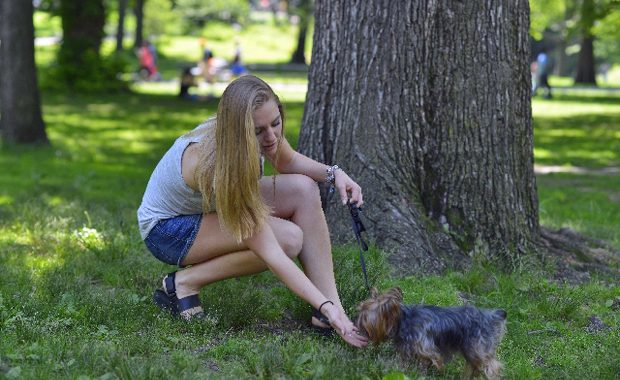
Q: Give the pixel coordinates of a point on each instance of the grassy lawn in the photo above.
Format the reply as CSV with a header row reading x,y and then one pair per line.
x,y
75,292
77,281
579,132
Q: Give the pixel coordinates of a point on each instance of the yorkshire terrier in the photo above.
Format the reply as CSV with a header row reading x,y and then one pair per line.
x,y
432,334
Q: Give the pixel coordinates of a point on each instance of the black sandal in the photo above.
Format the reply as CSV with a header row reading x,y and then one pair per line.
x,y
322,331
168,300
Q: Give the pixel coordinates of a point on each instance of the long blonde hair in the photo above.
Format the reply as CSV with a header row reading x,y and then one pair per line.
x,y
232,176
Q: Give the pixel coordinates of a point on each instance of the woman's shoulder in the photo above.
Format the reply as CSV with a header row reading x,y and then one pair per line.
x,y
204,130
189,163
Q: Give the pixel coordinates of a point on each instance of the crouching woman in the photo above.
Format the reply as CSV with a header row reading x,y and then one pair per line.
x,y
208,209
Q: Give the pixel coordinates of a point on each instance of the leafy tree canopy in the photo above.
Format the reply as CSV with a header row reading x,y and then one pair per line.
x,y
199,12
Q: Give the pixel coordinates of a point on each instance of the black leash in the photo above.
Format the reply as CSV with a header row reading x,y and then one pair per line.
x,y
358,228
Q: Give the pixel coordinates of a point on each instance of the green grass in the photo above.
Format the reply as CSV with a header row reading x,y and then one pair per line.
x,y
261,43
612,80
76,283
579,132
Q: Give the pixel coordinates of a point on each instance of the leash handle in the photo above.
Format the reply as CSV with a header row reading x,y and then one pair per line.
x,y
358,228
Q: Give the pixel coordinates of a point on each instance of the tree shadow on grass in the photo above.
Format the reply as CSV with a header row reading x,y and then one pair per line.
x,y
602,98
589,140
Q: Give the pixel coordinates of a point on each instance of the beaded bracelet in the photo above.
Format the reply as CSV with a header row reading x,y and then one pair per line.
x,y
330,176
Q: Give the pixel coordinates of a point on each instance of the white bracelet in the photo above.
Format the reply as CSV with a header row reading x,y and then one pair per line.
x,y
330,177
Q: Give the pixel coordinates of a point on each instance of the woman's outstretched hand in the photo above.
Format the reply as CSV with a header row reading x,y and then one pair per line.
x,y
345,328
346,185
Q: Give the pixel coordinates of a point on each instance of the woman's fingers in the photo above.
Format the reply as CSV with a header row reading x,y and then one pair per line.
x,y
348,332
355,340
346,185
356,194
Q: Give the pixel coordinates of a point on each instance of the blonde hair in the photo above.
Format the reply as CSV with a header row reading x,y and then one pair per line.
x,y
230,170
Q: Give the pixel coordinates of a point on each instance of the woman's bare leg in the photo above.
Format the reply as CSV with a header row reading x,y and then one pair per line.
x,y
297,198
215,256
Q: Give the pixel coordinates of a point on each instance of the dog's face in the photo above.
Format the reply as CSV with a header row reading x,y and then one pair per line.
x,y
379,315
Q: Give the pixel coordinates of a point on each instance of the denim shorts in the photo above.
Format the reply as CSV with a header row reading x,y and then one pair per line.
x,y
170,240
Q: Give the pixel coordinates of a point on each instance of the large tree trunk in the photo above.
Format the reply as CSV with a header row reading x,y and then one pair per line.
x,y
120,30
427,105
20,107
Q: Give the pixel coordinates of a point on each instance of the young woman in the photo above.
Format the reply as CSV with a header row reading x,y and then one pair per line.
x,y
208,209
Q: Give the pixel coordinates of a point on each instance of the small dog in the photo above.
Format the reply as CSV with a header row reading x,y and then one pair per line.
x,y
431,334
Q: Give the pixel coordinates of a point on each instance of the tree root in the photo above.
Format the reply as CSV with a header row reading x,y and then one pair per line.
x,y
578,257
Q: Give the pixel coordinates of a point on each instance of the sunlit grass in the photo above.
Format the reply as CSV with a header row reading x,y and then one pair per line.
x,y
77,281
612,79
577,131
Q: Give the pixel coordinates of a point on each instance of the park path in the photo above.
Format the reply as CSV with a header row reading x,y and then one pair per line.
x,y
550,169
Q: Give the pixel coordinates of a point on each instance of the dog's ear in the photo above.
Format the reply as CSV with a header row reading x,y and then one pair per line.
x,y
374,292
396,293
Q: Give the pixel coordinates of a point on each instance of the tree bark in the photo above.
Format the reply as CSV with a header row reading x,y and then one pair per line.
x,y
120,30
20,108
427,105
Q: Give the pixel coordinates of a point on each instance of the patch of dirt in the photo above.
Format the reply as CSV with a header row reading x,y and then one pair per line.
x,y
596,325
211,365
578,257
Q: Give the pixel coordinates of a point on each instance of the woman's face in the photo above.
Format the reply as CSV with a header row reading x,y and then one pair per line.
x,y
268,127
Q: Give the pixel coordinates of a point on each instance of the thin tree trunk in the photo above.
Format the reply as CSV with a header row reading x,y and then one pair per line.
x,y
139,13
299,55
305,11
427,105
20,109
79,55
585,62
586,72
120,30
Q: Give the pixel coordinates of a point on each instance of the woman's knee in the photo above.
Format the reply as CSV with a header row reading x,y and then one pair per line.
x,y
305,187
291,240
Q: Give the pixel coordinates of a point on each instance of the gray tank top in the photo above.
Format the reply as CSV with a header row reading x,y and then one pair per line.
x,y
167,194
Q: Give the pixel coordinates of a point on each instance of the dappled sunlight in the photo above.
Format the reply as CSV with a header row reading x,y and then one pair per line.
x,y
9,238
54,200
581,134
542,153
39,265
6,200
567,109
581,201
564,133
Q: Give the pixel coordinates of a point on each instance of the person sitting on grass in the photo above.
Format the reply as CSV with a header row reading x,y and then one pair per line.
x,y
208,209
186,82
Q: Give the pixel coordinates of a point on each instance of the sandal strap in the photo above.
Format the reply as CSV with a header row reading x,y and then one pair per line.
x,y
188,302
171,289
320,316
